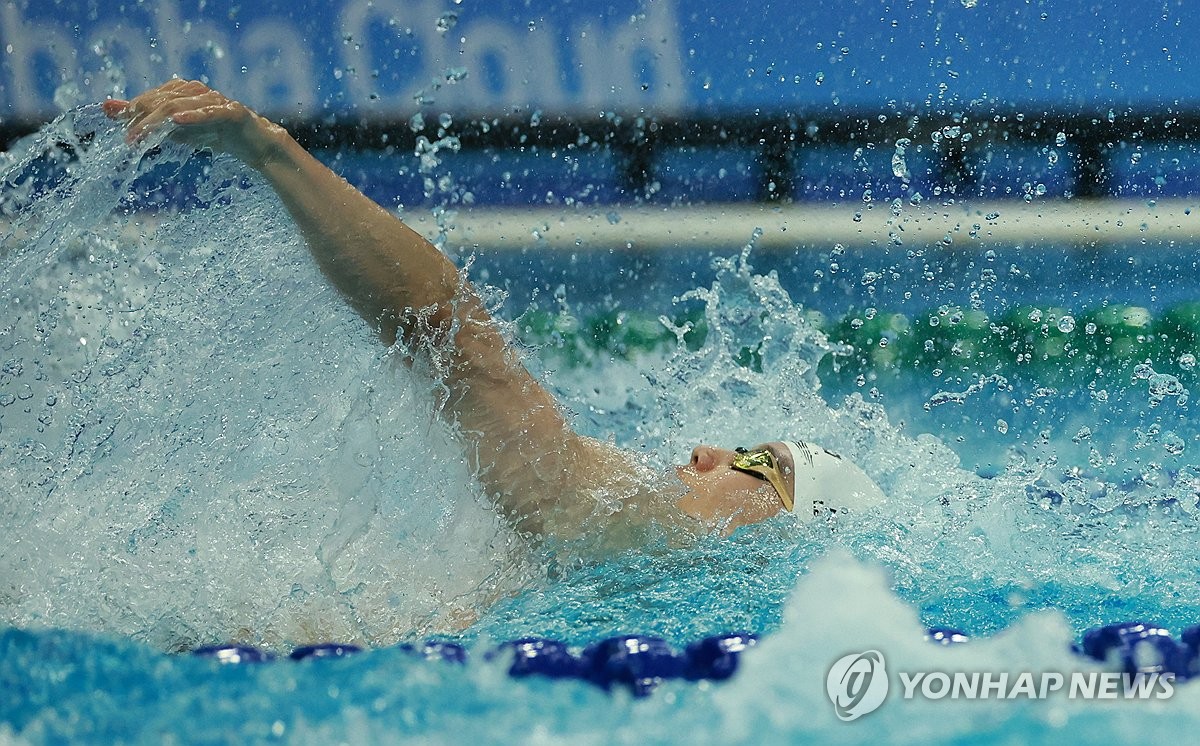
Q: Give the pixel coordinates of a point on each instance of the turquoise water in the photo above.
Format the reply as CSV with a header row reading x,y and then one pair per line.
x,y
199,444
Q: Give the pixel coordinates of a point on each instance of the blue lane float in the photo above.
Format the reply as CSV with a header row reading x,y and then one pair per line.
x,y
639,663
436,650
533,656
716,658
1141,648
326,650
234,654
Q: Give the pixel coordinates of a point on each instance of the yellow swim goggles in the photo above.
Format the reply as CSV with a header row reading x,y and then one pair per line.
x,y
762,463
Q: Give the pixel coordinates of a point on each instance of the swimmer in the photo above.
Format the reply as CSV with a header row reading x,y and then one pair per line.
x,y
546,479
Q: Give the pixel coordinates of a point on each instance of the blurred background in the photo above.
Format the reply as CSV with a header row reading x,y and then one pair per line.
x,y
664,101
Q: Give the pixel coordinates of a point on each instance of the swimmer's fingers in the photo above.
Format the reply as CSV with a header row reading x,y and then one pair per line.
x,y
152,108
202,118
223,112
122,109
116,108
162,110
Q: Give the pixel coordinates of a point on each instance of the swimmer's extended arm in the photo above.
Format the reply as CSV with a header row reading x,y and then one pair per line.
x,y
525,451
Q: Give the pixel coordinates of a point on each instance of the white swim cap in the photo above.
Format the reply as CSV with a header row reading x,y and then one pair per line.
x,y
828,483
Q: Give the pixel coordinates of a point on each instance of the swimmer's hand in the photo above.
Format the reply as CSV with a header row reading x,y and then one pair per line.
x,y
202,117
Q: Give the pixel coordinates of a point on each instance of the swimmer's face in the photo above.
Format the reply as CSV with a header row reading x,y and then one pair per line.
x,y
725,498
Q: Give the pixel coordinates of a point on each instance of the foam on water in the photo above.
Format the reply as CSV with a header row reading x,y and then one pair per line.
x,y
199,443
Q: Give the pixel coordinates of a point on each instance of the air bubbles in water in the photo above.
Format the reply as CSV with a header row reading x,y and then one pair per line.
x,y
447,21
899,163
1173,444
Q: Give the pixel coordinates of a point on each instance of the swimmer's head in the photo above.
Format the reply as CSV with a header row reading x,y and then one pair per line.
x,y
810,480
735,487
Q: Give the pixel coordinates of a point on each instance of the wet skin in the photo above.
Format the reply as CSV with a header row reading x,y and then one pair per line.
x,y
721,495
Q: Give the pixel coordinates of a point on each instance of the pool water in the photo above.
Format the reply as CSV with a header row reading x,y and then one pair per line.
x,y
200,444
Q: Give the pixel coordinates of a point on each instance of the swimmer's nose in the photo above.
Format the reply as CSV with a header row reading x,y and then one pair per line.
x,y
705,458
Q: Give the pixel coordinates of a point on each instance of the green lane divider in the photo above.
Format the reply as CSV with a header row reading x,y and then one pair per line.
x,y
1052,343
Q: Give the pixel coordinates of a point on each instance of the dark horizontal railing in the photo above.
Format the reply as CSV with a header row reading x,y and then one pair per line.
x,y
638,140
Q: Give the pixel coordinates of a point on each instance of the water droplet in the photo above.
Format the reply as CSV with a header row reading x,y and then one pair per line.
x,y
1173,444
1060,139
970,3
1162,385
1001,427
1066,324
820,78
1187,361
447,21
899,165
